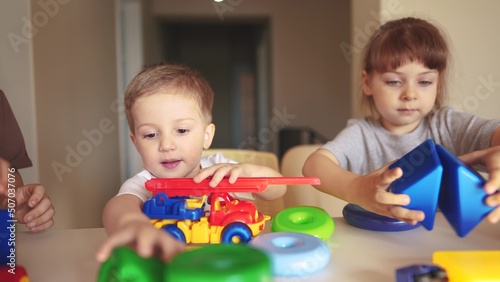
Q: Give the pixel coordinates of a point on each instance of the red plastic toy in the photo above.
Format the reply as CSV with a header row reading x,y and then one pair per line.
x,y
221,219
17,274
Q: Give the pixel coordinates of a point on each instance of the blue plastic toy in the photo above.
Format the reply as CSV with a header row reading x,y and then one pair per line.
x,y
293,254
462,195
421,273
361,218
421,180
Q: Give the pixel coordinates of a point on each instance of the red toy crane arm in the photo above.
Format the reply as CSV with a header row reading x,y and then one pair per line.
x,y
187,187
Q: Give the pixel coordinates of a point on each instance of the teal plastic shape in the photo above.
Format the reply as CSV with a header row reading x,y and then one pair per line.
x,y
462,196
421,180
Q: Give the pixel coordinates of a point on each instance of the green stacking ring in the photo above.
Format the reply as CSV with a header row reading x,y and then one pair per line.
x,y
304,219
220,263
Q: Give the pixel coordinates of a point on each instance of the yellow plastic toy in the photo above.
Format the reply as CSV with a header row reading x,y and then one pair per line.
x,y
469,266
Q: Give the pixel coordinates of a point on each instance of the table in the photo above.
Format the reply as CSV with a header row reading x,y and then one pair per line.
x,y
356,254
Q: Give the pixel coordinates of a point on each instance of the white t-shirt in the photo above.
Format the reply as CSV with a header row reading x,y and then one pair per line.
x,y
136,185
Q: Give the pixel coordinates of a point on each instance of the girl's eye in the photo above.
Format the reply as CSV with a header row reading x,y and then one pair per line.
x,y
425,82
393,82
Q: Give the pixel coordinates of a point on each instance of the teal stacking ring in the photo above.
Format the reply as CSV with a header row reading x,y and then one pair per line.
x,y
304,219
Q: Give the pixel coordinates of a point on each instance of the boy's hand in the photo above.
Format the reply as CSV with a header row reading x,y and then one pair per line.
x,y
33,207
145,239
219,171
373,194
490,158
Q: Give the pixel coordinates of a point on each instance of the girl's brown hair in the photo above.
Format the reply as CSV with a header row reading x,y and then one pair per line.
x,y
178,78
406,40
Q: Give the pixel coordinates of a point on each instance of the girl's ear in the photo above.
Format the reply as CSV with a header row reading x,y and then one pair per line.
x,y
209,136
365,84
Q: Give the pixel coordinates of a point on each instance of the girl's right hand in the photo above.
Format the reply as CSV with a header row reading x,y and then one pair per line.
x,y
373,195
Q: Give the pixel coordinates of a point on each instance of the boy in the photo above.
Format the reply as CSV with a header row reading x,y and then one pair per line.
x,y
169,111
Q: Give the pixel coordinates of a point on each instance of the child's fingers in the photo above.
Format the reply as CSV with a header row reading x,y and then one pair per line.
x,y
39,215
410,216
494,216
388,198
118,239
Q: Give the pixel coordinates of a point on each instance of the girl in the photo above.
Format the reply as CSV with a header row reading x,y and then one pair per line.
x,y
403,86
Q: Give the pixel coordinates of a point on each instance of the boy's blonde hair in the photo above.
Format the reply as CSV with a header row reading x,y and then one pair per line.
x,y
167,77
406,40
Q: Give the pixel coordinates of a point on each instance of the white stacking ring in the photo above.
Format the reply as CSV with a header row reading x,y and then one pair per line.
x,y
293,254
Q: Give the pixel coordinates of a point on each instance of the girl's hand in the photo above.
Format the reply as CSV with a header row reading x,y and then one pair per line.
x,y
373,195
490,158
145,239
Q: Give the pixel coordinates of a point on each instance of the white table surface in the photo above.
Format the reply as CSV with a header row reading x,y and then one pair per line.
x,y
356,254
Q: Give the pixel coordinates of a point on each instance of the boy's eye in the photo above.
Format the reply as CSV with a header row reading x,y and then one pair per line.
x,y
150,135
182,131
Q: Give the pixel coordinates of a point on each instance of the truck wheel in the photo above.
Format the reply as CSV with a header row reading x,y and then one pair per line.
x,y
236,233
177,233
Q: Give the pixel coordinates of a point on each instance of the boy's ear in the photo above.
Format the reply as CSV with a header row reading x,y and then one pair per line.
x,y
209,136
132,138
365,84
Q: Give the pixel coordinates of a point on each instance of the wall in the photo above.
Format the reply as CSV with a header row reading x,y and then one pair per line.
x,y
309,75
76,81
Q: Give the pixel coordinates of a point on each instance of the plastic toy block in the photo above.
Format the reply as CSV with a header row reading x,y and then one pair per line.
x,y
469,266
421,180
462,196
187,187
421,273
220,263
125,265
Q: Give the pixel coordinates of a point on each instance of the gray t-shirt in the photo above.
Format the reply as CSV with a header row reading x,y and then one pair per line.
x,y
364,145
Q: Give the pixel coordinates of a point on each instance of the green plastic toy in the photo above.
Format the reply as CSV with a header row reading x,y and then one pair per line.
x,y
221,263
125,265
304,219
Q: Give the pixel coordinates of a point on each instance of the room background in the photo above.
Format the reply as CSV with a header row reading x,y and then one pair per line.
x,y
62,69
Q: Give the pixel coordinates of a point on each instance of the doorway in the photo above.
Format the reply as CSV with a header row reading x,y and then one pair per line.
x,y
233,58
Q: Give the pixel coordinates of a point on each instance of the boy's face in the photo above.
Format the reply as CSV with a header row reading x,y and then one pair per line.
x,y
404,96
170,133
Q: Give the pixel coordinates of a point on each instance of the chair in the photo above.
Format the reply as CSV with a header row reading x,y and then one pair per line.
x,y
268,159
305,195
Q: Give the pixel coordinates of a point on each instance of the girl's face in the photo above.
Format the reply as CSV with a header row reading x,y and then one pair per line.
x,y
403,96
170,134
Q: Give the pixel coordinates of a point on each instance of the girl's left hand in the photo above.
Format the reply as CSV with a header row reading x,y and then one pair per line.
x,y
490,158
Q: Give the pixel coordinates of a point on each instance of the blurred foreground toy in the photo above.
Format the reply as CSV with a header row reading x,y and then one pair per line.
x,y
125,265
220,263
293,254
466,266
224,220
421,273
13,274
304,219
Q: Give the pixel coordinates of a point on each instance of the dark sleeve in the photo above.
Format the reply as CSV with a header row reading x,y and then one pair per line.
x,y
12,147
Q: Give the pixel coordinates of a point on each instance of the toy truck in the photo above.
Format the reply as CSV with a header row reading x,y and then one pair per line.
x,y
197,213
